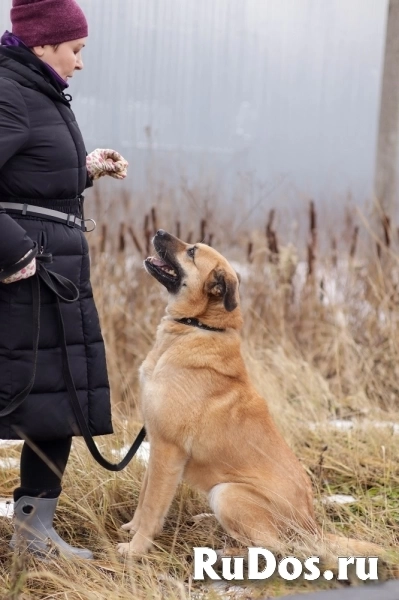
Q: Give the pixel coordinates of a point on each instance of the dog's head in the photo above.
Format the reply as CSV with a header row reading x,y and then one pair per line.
x,y
200,281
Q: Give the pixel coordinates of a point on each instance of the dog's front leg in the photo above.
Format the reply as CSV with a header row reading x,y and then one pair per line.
x,y
133,525
164,472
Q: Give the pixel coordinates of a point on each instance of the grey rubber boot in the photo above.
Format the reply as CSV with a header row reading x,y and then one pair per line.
x,y
33,522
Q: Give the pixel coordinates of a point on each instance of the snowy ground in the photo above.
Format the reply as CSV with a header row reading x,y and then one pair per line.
x,y
143,452
347,424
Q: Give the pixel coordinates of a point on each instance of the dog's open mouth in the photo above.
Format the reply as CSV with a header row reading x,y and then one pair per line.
x,y
165,272
162,266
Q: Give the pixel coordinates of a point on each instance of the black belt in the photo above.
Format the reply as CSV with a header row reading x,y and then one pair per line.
x,y
65,290
31,210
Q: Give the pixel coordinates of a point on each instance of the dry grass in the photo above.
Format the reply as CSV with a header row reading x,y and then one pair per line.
x,y
321,343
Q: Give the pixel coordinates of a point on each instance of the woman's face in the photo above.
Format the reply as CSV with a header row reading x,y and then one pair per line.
x,y
65,59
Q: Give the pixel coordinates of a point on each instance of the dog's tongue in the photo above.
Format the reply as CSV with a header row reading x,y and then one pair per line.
x,y
158,262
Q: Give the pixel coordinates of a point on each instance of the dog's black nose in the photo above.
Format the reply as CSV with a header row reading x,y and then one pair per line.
x,y
161,233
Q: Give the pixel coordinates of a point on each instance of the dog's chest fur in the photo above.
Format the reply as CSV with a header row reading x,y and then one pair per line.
x,y
182,377
163,388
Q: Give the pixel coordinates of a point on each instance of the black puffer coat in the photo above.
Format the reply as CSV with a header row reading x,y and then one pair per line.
x,y
43,161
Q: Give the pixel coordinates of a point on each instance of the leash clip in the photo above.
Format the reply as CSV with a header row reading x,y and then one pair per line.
x,y
44,258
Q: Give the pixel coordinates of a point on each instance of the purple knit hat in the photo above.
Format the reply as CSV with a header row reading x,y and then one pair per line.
x,y
41,22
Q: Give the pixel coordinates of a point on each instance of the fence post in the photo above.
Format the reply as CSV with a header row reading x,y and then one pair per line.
x,y
387,160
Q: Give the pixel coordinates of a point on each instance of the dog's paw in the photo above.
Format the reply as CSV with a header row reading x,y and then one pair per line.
x,y
124,549
138,546
134,524
128,526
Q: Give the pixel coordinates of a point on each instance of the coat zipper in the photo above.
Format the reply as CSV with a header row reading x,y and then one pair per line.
x,y
42,242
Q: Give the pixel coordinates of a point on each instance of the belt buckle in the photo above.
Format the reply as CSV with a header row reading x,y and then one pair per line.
x,y
71,220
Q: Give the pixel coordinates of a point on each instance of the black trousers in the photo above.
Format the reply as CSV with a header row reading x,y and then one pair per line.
x,y
42,467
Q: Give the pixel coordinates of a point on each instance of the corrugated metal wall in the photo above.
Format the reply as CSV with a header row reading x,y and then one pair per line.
x,y
275,89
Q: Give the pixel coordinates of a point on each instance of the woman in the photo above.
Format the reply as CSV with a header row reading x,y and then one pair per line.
x,y
44,168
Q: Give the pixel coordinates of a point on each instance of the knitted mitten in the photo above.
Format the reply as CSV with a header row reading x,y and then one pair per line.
x,y
102,162
24,273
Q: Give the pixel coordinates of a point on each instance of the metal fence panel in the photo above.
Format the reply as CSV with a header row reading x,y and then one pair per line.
x,y
266,88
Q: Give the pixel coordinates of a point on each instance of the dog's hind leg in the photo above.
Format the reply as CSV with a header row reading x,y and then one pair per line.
x,y
134,524
165,469
245,515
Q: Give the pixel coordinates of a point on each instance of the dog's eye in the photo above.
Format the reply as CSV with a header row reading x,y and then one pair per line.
x,y
191,252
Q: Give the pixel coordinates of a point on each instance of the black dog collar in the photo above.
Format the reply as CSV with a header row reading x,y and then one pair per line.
x,y
195,323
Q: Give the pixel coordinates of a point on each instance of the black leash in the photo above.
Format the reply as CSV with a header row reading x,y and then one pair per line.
x,y
64,290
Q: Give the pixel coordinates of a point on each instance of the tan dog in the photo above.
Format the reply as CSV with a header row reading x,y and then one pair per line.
x,y
205,422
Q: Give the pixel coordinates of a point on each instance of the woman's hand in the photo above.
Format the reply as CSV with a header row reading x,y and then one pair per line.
x,y
102,162
24,273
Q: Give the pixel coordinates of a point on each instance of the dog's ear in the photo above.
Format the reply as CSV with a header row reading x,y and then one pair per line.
x,y
222,284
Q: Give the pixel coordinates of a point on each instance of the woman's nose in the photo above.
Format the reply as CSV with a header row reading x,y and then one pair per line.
x,y
79,63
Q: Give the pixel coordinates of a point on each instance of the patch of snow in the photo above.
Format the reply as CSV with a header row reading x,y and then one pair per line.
x,y
143,452
339,285
341,424
338,499
6,443
229,592
9,463
6,508
347,424
395,426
